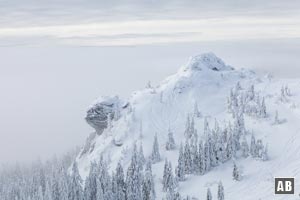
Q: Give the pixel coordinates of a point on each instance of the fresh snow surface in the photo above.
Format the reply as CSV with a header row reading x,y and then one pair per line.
x,y
207,80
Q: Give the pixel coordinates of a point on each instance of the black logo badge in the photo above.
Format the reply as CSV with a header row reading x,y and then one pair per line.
x,y
284,185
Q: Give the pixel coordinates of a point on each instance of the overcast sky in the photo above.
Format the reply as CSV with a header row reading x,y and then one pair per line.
x,y
58,56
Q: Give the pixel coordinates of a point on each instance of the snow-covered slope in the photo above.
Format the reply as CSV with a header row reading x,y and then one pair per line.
x,y
204,81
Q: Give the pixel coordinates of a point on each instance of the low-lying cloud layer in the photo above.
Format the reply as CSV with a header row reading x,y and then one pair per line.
x,y
102,23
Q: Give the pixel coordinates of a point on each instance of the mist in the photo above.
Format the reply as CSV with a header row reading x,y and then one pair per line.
x,y
45,92
57,57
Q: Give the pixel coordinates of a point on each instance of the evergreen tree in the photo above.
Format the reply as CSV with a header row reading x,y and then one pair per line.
x,y
63,183
201,164
208,195
251,93
207,154
76,192
177,196
180,170
220,191
134,178
259,148
148,184
263,110
265,155
55,186
155,156
90,190
187,158
283,96
253,150
245,147
48,193
206,127
187,130
168,178
165,175
142,159
120,183
212,151
235,173
40,193
195,159
170,144
100,192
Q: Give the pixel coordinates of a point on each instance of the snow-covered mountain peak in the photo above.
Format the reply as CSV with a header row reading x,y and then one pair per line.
x,y
198,93
207,61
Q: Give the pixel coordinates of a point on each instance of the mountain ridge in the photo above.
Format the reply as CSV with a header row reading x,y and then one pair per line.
x,y
206,81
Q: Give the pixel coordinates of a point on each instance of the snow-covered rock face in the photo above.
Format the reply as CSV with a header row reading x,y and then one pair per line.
x,y
207,61
99,114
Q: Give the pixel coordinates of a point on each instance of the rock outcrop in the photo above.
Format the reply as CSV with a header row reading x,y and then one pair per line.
x,y
104,110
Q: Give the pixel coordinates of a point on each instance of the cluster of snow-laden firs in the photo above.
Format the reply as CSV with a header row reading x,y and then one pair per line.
x,y
247,101
48,180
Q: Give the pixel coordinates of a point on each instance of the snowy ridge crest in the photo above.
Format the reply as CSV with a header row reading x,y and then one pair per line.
x,y
206,61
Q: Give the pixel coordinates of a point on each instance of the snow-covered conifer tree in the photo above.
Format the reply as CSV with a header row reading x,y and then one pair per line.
x,y
142,159
236,173
220,191
134,178
100,192
63,183
195,159
212,151
76,192
207,154
187,126
48,192
201,164
168,178
155,156
170,144
259,148
187,158
148,188
40,195
265,155
206,127
253,150
120,183
263,109
208,195
90,189
245,147
165,175
180,170
251,93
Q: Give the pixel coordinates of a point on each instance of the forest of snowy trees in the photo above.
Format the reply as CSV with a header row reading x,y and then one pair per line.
x,y
198,154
